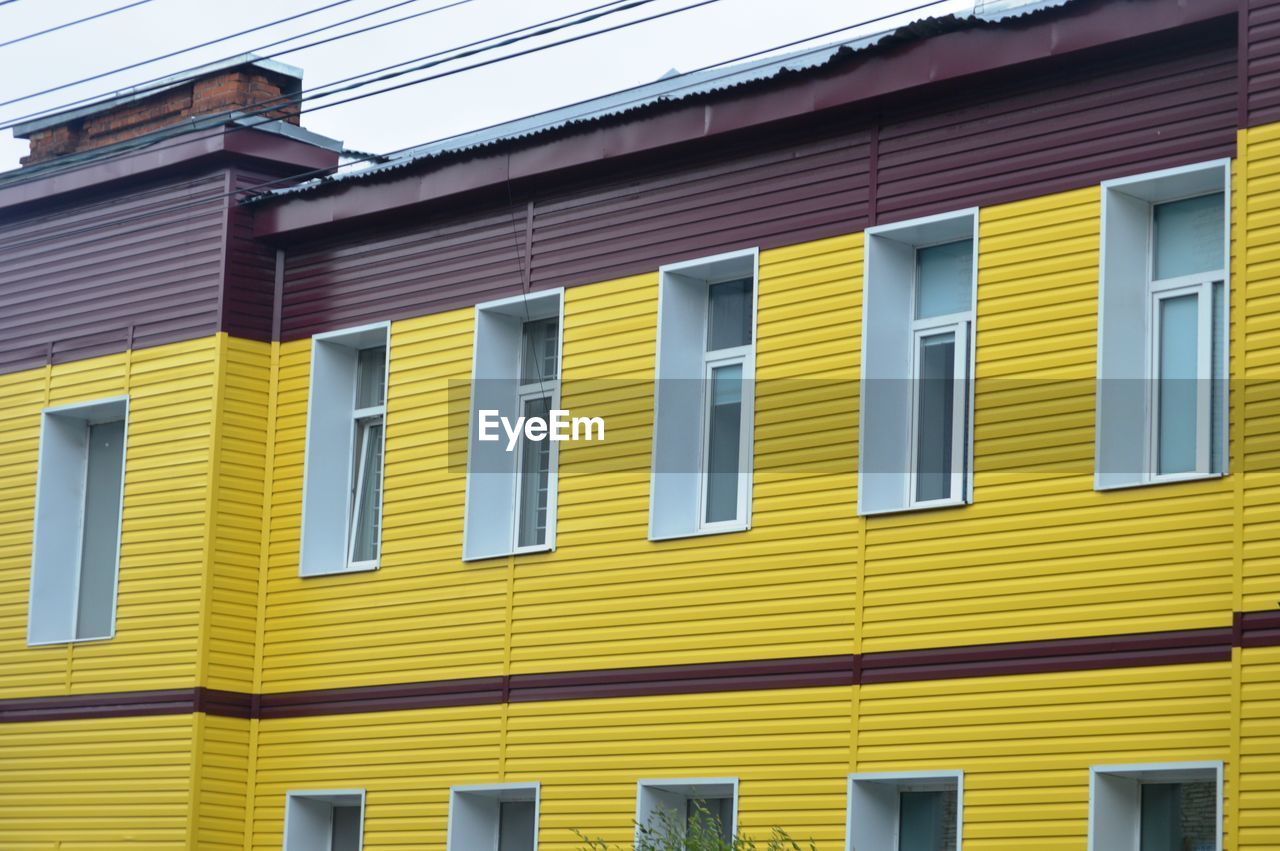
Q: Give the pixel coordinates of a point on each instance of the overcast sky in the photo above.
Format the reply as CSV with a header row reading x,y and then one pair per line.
x,y
720,30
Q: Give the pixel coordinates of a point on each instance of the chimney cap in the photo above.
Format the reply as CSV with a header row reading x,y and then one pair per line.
x,y
146,90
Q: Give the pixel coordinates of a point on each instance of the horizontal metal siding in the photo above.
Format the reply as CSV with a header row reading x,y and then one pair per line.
x,y
77,276
162,541
222,803
1168,104
117,783
1040,553
248,298
1259,748
1261,57
403,271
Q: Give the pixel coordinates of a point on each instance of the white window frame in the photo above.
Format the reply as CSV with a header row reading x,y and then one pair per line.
x,y
315,559
1158,772
499,793
915,234
517,308
109,409
859,798
688,787
328,796
1153,188
704,272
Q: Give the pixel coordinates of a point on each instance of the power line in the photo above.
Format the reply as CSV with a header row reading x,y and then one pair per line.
x,y
173,53
160,82
293,179
278,106
54,29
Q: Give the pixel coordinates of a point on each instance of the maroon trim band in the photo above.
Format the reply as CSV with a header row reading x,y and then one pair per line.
x,y
1177,647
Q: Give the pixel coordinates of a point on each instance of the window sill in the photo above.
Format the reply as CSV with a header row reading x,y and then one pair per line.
x,y
524,551
362,567
62,641
907,509
1163,480
726,529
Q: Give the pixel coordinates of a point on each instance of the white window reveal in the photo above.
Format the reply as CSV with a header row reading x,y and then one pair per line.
x,y
511,488
76,545
1156,807
907,811
679,803
324,820
499,817
346,436
704,397
918,308
1163,327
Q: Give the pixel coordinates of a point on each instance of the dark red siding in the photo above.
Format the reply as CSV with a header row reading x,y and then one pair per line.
x,y
248,298
1261,60
1056,125
79,278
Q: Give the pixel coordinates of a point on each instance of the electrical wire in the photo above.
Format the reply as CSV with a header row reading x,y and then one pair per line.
x,y
173,53
295,178
68,24
157,83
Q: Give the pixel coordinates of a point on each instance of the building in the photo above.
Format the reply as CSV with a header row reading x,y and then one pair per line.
x,y
926,512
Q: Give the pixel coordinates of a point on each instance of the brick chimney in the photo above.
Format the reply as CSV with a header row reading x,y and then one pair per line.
x,y
236,85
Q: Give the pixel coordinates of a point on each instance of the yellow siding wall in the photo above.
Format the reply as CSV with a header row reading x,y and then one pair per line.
x,y
221,786
1260,749
94,785
162,544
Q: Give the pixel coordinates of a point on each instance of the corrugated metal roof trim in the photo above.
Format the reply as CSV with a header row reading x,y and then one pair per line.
x,y
673,90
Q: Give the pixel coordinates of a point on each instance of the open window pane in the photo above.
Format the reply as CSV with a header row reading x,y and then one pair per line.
x,y
927,821
724,443
1188,236
367,507
1218,387
935,415
1178,816
534,480
944,276
539,351
1177,388
729,315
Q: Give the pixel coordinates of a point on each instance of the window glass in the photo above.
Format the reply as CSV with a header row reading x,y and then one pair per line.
x,y
1176,438
101,530
346,828
371,377
517,826
724,436
1179,817
368,502
535,480
1188,236
935,394
538,358
944,279
729,315
927,821
1218,390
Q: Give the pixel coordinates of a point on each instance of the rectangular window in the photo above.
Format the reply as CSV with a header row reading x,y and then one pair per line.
x,y
76,541
1162,365
917,397
907,811
672,806
499,817
704,395
511,491
1156,807
346,439
324,821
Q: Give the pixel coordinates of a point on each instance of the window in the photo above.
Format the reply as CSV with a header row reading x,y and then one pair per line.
x,y
715,801
324,821
76,543
908,811
1156,807
346,435
704,397
1163,325
511,488
917,359
500,817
